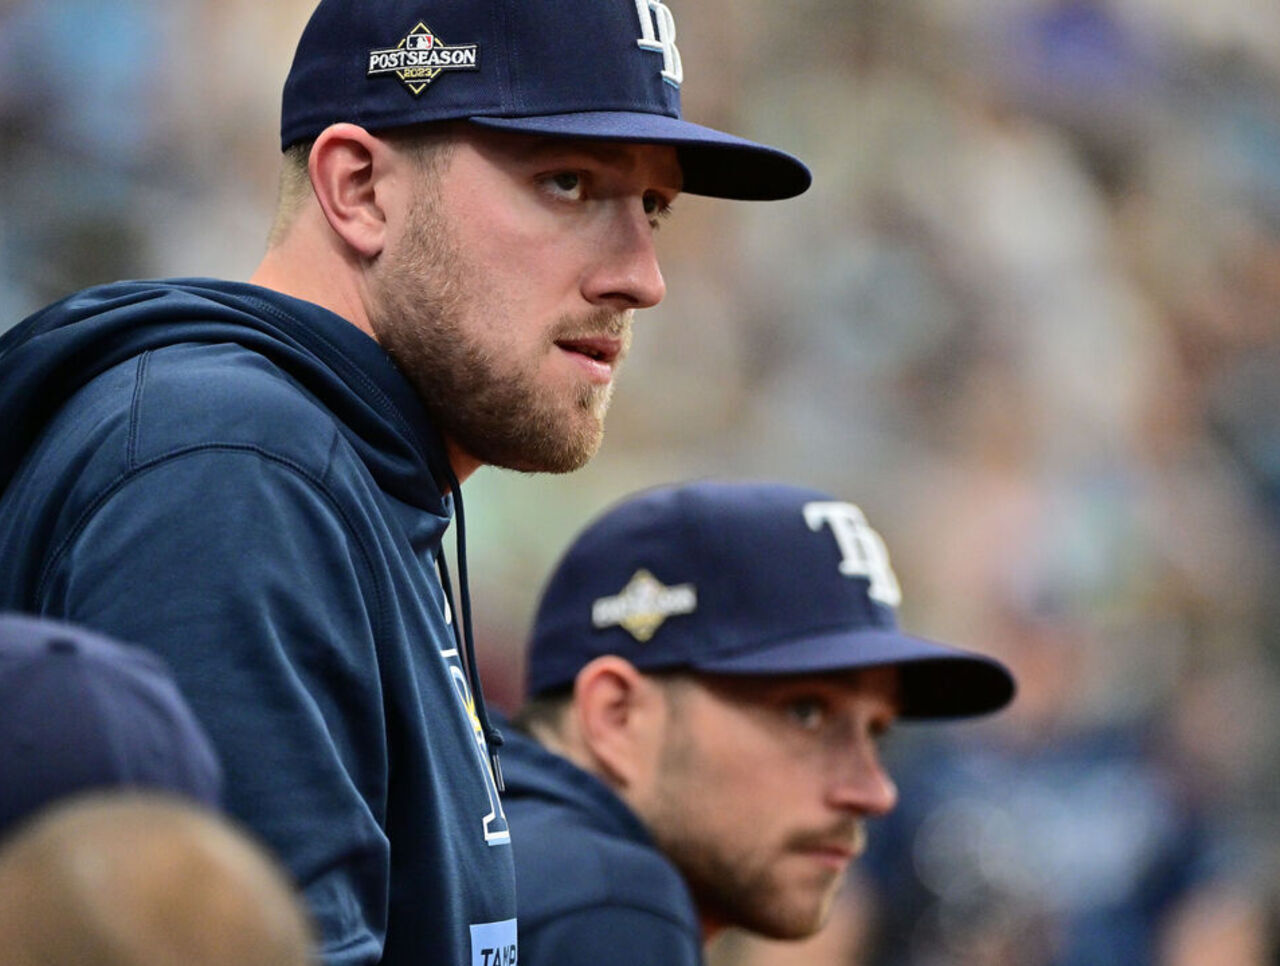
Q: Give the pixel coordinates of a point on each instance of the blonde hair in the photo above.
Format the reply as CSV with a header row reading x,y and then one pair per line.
x,y
428,144
293,190
124,878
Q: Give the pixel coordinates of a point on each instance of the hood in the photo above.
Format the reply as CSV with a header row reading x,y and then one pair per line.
x,y
532,772
46,358
49,356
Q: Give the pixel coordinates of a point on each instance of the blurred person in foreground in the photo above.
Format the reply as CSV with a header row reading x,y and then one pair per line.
x,y
710,672
116,878
255,478
112,848
81,712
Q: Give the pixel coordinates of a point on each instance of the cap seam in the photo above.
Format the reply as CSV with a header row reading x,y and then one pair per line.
x,y
507,87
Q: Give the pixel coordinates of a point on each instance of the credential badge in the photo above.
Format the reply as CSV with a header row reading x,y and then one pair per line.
x,y
420,58
643,605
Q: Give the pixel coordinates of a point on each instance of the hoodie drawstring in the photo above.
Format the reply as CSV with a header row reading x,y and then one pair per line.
x,y
462,628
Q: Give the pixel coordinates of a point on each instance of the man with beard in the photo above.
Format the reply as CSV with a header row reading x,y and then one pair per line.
x,y
254,479
710,670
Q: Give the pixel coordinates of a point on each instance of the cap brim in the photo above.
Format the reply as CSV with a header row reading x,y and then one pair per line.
x,y
714,163
937,681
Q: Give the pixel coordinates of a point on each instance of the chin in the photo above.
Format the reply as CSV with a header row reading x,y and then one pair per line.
x,y
788,931
794,922
572,451
543,442
566,457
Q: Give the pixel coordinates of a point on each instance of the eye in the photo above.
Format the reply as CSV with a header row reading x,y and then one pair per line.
x,y
565,184
879,727
808,713
657,208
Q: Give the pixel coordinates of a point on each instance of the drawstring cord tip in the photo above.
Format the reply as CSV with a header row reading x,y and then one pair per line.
x,y
496,763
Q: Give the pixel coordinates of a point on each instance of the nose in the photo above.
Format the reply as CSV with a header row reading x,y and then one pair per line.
x,y
860,784
624,272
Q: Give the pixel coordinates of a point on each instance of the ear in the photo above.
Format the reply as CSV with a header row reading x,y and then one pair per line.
x,y
348,166
620,714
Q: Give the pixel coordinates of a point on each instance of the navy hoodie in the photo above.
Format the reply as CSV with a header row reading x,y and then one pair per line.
x,y
593,886
244,483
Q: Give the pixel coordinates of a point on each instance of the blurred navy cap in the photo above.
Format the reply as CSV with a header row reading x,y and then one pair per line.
x,y
745,578
79,711
597,69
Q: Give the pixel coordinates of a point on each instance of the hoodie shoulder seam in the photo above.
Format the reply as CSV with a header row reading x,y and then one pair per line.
x,y
135,410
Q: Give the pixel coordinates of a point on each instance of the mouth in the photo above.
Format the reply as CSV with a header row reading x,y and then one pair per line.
x,y
835,852
602,349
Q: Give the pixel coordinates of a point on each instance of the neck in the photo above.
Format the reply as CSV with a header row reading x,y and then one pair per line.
x,y
309,271
711,928
310,264
463,463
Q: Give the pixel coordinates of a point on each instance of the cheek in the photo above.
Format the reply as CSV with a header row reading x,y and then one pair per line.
x,y
741,792
519,240
508,225
535,270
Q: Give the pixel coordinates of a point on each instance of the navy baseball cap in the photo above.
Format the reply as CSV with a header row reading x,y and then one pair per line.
x,y
80,711
750,579
605,70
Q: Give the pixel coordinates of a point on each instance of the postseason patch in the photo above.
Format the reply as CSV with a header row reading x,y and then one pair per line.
x,y
644,604
420,58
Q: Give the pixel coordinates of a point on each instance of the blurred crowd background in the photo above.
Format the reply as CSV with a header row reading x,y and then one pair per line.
x,y
1028,318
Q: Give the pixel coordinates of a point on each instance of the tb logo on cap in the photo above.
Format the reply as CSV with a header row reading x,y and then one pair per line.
x,y
862,551
658,32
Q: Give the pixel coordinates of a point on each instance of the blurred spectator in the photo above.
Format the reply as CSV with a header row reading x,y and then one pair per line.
x,y
1053,838
121,879
80,130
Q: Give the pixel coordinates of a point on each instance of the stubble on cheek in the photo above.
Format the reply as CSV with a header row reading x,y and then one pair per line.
x,y
499,408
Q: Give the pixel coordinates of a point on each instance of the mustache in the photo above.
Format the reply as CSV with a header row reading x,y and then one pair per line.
x,y
610,323
850,836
